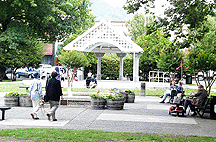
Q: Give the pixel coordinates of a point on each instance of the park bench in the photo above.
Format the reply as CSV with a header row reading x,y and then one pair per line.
x,y
3,111
201,109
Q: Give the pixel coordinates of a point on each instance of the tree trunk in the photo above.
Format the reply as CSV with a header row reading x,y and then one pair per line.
x,y
2,73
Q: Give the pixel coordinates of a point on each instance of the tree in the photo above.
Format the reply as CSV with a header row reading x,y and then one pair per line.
x,y
18,49
152,45
136,27
202,54
179,15
170,60
46,19
72,60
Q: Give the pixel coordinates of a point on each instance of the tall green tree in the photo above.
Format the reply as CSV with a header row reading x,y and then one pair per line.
x,y
152,45
202,54
136,27
180,15
72,60
18,49
46,19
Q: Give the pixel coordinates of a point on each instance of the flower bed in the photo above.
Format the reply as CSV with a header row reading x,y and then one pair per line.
x,y
14,99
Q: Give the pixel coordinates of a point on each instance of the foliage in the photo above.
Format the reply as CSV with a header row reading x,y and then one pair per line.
x,y
179,15
110,66
46,19
92,59
136,27
18,49
202,54
98,96
115,97
128,65
152,45
12,94
73,59
170,59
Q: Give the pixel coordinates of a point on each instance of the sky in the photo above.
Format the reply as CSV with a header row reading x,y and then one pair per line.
x,y
112,9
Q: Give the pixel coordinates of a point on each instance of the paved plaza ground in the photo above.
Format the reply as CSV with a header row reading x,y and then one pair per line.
x,y
146,115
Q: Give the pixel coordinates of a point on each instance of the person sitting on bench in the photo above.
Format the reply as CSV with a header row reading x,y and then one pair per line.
x,y
88,81
200,95
168,92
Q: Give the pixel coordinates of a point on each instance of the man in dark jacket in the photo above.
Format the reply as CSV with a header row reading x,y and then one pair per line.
x,y
53,93
200,96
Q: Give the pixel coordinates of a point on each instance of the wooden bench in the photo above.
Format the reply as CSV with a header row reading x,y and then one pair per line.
x,y
201,109
3,111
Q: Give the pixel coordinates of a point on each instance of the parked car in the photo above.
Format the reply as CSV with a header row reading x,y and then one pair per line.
x,y
25,72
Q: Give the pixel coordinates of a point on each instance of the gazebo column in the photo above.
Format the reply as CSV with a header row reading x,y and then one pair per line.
x,y
121,55
99,55
136,66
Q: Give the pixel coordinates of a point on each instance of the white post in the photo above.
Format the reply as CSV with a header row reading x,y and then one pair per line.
x,y
99,55
136,66
121,55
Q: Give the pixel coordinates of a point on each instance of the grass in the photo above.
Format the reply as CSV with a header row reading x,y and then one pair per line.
x,y
8,87
46,134
15,87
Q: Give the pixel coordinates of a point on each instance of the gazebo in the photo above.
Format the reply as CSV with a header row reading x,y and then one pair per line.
x,y
104,38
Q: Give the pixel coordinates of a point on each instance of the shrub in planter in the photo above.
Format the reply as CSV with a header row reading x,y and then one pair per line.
x,y
11,99
115,102
98,101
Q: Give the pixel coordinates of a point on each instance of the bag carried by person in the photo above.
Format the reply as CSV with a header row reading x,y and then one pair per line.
x,y
45,96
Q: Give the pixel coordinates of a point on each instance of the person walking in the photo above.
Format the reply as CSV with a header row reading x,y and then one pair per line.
x,y
53,93
36,94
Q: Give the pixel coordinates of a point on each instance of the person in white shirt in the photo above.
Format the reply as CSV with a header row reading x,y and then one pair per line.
x,y
36,94
89,74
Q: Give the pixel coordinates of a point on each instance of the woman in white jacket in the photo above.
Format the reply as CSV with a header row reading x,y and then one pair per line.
x,y
36,94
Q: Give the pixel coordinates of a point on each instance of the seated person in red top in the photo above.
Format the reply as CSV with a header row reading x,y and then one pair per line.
x,y
201,95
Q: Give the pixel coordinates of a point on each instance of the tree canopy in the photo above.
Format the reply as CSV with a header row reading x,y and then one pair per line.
x,y
45,19
24,23
202,54
178,16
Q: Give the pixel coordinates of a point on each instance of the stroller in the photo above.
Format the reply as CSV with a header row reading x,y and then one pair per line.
x,y
178,102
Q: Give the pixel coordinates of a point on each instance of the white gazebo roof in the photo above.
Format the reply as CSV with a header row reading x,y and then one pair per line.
x,y
103,38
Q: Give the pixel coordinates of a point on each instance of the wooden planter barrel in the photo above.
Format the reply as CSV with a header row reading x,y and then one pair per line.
x,y
131,98
98,103
125,94
12,101
115,104
25,101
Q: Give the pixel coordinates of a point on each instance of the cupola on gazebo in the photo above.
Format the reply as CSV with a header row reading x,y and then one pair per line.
x,y
104,38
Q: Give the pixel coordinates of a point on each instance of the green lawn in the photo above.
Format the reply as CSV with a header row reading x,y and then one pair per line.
x,y
15,87
69,135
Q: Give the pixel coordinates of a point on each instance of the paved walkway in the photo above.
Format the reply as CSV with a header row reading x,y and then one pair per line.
x,y
146,115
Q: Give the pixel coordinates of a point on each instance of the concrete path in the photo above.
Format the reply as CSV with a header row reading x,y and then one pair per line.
x,y
146,115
